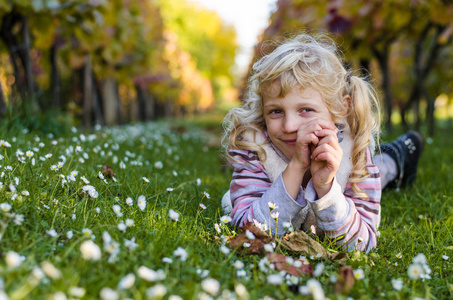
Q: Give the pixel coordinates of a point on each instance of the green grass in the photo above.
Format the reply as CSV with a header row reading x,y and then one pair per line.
x,y
417,220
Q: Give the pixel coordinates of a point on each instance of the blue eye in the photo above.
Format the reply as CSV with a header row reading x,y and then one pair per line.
x,y
275,112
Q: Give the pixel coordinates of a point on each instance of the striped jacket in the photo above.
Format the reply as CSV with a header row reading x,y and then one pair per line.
x,y
352,221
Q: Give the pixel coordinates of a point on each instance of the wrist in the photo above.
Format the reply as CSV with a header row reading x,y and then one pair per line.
x,y
322,189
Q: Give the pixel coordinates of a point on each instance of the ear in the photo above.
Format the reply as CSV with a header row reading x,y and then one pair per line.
x,y
347,101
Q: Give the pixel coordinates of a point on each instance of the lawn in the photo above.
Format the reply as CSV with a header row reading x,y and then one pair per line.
x,y
131,212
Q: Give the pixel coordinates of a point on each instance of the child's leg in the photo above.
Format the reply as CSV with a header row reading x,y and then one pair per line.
x,y
398,160
387,168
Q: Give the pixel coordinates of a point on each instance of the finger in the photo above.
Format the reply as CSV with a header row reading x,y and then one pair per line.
x,y
331,161
326,148
332,141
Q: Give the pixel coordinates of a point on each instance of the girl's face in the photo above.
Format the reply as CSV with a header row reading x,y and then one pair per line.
x,y
284,116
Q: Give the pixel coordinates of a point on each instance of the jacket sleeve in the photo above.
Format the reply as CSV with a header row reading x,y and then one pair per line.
x,y
252,190
349,219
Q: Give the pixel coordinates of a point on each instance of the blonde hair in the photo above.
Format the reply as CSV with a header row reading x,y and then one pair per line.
x,y
298,63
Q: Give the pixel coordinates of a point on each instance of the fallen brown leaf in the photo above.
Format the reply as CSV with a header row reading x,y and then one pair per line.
x,y
345,280
108,172
279,261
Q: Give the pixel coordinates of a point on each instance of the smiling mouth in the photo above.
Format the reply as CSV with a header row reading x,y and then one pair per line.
x,y
290,142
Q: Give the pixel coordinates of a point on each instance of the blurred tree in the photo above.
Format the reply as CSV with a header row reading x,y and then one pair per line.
x,y
204,35
405,45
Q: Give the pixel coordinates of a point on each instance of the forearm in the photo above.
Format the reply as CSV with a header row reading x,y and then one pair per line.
x,y
292,178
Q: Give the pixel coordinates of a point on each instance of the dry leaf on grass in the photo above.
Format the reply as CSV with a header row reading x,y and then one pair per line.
x,y
108,171
280,263
345,280
256,244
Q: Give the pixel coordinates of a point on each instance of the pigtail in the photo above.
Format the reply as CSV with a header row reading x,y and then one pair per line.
x,y
364,120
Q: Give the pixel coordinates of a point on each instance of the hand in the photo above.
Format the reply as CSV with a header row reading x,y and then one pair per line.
x,y
325,160
307,139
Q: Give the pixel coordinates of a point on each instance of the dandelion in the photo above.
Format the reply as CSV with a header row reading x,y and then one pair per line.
x,y
206,195
150,275
5,207
90,251
69,234
90,190
201,204
241,273
287,226
415,271
126,282
275,215
238,264
224,249
129,222
117,210
314,288
129,201
13,259
397,284
18,219
169,189
225,219
210,286
83,178
272,206
98,210
109,294
246,245
86,232
268,248
122,227
50,270
156,292
399,255
175,173
52,232
158,165
319,268
275,279
313,229
77,292
167,260
5,144
419,259
174,297
29,154
240,290
249,234
359,274
217,228
445,257
141,202
37,273
181,253
173,215
54,167
130,244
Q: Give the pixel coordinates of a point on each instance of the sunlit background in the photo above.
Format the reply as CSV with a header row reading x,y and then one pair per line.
x,y
116,62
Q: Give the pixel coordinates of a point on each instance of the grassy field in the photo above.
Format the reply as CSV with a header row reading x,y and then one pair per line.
x,y
144,228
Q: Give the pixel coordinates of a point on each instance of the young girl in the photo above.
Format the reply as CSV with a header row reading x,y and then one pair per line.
x,y
302,144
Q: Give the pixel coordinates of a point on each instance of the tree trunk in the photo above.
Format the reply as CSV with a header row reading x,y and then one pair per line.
x,y
2,101
28,67
98,101
430,113
54,78
383,60
12,45
110,101
87,92
141,102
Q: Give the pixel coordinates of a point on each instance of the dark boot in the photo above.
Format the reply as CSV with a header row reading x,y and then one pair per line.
x,y
406,151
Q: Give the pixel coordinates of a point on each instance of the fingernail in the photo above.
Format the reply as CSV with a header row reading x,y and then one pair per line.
x,y
316,132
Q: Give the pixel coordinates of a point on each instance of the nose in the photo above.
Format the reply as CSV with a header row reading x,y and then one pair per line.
x,y
290,124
